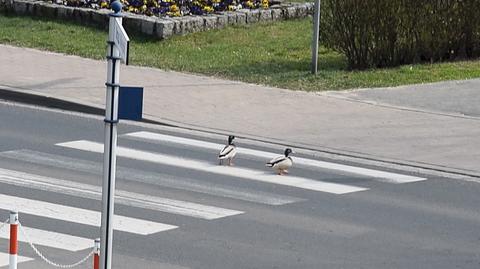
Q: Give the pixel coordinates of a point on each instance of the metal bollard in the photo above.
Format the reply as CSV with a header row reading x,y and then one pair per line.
x,y
13,240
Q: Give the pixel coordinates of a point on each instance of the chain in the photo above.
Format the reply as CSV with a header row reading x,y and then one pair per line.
x,y
49,261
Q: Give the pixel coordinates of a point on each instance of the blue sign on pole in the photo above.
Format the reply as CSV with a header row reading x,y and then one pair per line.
x,y
130,103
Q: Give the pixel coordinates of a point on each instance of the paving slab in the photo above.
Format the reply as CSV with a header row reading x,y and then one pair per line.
x,y
452,97
383,128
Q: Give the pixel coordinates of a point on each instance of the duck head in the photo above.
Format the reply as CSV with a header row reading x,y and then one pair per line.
x,y
288,151
230,139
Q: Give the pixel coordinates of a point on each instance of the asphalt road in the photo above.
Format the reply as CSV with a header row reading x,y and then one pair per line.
x,y
181,210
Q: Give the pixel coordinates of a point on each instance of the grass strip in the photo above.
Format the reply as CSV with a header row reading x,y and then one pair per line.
x,y
275,54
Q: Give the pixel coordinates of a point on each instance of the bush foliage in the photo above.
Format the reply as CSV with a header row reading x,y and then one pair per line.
x,y
384,33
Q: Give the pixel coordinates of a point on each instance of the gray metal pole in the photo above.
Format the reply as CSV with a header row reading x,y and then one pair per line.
x,y
110,145
316,26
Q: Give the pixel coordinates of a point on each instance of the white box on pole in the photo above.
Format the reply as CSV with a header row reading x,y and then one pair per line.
x,y
122,41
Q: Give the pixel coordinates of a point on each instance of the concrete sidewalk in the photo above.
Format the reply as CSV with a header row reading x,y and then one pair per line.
x,y
393,126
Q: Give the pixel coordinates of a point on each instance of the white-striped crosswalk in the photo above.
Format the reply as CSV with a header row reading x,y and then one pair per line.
x,y
387,176
249,174
80,215
51,239
89,217
136,175
122,197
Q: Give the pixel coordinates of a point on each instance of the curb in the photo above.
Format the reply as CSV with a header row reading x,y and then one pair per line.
x,y
34,99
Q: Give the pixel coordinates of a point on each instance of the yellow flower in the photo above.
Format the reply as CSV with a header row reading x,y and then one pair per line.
x,y
208,9
174,14
174,8
104,5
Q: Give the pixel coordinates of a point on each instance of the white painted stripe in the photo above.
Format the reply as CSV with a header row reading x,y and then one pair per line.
x,y
4,259
122,197
79,215
50,239
244,173
136,175
388,176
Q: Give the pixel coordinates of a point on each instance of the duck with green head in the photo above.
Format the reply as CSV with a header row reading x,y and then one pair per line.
x,y
228,152
281,163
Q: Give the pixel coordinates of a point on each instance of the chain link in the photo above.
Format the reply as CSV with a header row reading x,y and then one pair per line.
x,y
45,259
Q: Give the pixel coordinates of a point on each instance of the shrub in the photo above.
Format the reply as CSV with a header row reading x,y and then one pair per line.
x,y
382,33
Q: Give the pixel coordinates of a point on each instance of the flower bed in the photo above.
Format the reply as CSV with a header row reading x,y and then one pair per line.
x,y
160,27
170,8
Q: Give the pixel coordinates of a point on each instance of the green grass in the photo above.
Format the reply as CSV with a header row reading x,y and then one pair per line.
x,y
276,54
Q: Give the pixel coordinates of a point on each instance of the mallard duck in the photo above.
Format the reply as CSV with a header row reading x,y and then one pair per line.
x,y
281,163
228,152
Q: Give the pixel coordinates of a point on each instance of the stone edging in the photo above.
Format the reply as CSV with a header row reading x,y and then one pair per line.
x,y
157,27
